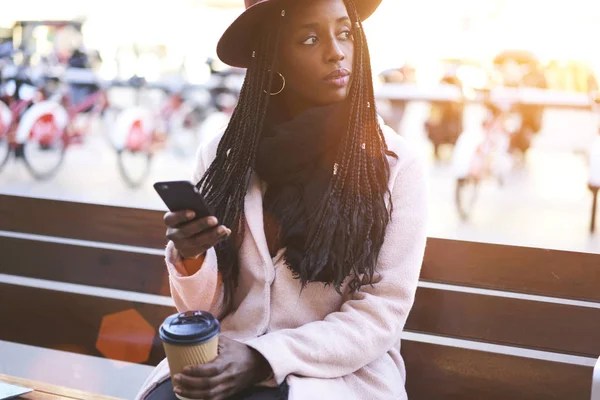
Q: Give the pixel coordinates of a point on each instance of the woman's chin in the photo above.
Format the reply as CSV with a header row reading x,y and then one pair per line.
x,y
332,97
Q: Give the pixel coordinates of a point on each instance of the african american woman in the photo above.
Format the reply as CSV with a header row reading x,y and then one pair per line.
x,y
312,259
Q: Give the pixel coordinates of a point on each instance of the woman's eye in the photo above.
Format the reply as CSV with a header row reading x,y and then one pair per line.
x,y
311,40
346,35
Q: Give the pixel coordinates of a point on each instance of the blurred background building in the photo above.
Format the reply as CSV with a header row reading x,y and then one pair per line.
x,y
154,39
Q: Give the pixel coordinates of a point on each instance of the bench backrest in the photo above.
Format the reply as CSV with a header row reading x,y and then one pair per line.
x,y
93,276
515,322
489,321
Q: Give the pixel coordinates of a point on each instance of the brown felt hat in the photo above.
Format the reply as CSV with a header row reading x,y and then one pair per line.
x,y
235,46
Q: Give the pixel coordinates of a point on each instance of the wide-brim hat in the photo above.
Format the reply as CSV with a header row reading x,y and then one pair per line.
x,y
235,46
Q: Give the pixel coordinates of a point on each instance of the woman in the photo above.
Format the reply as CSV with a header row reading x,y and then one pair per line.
x,y
315,269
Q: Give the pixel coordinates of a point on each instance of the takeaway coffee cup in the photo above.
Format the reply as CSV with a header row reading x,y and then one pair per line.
x,y
190,338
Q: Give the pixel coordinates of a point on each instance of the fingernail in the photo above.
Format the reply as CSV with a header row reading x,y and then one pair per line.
x,y
228,231
177,390
190,214
213,221
177,378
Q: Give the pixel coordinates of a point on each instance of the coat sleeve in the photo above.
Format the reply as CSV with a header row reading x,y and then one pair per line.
x,y
203,290
370,323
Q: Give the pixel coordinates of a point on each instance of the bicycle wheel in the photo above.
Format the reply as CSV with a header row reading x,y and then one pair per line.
x,y
134,166
41,159
5,125
466,195
184,130
107,123
5,151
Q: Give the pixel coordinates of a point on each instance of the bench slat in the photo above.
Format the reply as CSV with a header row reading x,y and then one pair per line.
x,y
443,372
519,269
523,323
145,273
128,226
72,322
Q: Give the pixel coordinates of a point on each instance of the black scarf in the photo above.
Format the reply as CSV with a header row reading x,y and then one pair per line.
x,y
296,159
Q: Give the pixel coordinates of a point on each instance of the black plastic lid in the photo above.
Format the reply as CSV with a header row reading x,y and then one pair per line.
x,y
191,327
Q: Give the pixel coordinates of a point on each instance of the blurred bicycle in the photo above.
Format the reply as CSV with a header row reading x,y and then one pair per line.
x,y
181,116
484,153
21,132
187,116
136,136
594,160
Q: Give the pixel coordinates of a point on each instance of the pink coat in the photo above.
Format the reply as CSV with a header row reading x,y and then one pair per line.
x,y
325,346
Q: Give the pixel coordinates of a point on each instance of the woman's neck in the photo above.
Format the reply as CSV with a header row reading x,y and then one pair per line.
x,y
295,106
283,109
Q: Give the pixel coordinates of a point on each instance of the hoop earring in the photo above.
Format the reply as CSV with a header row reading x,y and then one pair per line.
x,y
282,85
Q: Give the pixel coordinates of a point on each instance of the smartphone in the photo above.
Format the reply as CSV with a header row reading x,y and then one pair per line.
x,y
182,195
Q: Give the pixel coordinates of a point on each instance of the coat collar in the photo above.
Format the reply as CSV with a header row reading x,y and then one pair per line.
x,y
253,208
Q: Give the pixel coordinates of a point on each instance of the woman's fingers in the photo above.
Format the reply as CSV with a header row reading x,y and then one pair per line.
x,y
191,228
210,370
173,219
193,236
208,238
200,225
191,247
214,236
194,387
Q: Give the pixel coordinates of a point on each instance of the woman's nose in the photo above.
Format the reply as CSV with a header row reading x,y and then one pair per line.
x,y
335,53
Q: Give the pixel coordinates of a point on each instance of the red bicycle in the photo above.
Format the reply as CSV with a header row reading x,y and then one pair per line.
x,y
18,95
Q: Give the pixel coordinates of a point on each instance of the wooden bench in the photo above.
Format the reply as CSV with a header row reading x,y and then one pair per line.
x,y
489,321
536,313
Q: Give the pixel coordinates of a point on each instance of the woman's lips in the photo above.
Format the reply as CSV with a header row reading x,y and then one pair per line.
x,y
339,77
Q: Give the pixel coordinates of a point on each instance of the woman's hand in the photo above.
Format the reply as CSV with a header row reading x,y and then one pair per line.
x,y
191,237
236,368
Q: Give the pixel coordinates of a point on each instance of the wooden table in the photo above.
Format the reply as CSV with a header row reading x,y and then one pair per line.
x,y
44,391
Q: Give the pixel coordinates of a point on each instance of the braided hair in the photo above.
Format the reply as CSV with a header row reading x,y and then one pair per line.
x,y
347,230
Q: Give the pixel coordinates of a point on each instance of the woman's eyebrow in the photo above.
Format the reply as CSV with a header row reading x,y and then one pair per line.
x,y
314,25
